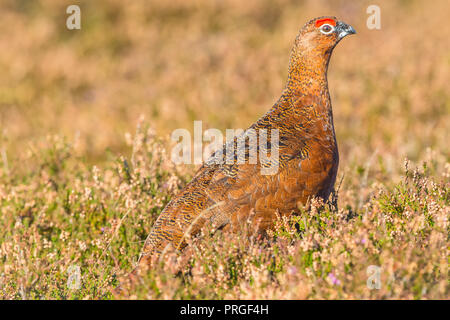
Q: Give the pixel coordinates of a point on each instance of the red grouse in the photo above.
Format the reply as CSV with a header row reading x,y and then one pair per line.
x,y
224,194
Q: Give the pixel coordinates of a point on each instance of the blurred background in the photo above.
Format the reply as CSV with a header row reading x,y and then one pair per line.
x,y
223,62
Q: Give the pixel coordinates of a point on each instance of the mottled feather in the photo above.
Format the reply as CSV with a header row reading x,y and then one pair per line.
x,y
224,195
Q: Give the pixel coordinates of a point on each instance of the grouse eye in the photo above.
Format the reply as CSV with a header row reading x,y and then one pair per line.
x,y
326,29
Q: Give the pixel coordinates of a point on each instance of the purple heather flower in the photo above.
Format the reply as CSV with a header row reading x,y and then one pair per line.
x,y
292,270
333,279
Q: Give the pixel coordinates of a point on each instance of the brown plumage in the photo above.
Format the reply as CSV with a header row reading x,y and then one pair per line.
x,y
224,195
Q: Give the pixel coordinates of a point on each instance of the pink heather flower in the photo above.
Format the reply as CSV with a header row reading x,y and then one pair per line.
x,y
333,279
292,270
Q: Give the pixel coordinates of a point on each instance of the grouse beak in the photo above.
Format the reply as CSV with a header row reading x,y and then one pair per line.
x,y
343,29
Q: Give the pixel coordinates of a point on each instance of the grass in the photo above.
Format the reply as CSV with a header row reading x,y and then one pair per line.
x,y
83,175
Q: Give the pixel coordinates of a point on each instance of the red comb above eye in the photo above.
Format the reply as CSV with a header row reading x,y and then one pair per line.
x,y
326,20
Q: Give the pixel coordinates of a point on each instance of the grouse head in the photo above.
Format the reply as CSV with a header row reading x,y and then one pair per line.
x,y
314,45
323,34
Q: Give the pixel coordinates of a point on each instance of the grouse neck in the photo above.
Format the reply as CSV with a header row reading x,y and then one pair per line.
x,y
307,72
307,79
